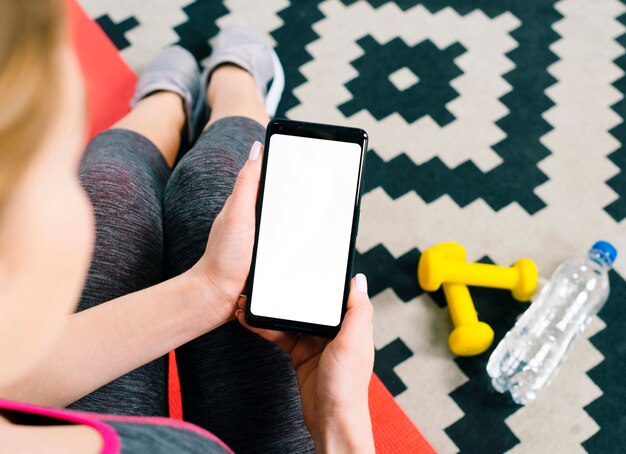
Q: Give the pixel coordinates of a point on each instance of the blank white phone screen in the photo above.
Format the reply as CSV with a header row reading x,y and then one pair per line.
x,y
305,229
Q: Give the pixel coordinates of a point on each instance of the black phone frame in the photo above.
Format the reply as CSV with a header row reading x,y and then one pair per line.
x,y
316,131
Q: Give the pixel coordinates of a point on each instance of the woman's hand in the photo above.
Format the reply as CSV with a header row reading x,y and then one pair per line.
x,y
224,267
334,376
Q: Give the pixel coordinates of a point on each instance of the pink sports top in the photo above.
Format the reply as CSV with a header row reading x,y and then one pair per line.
x,y
148,435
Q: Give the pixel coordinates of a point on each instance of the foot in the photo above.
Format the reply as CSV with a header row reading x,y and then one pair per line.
x,y
241,46
175,70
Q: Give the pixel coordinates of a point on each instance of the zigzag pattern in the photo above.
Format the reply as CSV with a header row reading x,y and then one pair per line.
x,y
432,180
263,20
403,4
617,209
387,358
117,31
608,376
385,271
611,341
291,40
200,26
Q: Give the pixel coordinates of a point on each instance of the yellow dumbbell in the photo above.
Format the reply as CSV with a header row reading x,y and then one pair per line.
x,y
470,336
445,262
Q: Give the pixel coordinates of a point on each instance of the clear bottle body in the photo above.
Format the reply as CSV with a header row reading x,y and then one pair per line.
x,y
529,356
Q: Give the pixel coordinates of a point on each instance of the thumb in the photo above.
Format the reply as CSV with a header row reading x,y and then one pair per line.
x,y
357,327
244,195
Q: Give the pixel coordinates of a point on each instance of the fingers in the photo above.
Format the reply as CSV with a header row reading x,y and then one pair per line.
x,y
285,341
357,328
244,195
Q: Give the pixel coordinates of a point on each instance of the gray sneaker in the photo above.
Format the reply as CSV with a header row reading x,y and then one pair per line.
x,y
175,70
240,45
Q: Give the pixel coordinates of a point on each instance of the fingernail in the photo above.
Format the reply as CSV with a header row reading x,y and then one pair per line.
x,y
237,312
361,283
255,151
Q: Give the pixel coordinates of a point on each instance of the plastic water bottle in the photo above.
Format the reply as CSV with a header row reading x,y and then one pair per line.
x,y
530,354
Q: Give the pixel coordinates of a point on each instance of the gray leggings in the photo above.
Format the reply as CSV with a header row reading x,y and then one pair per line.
x,y
151,224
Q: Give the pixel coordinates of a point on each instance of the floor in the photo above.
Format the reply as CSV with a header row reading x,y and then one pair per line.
x,y
495,124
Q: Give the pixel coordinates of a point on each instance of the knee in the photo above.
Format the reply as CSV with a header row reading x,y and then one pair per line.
x,y
109,176
210,174
123,164
122,192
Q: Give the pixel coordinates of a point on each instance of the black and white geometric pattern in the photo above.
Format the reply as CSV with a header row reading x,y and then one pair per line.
x,y
497,124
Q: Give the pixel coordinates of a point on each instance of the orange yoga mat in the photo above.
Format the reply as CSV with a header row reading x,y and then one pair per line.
x,y
109,83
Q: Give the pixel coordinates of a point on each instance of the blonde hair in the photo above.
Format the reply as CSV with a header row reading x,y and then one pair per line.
x,y
30,31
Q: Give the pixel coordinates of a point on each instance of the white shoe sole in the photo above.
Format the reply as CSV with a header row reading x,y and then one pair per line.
x,y
275,92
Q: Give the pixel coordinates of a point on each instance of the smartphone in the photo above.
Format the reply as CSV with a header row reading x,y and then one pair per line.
x,y
306,224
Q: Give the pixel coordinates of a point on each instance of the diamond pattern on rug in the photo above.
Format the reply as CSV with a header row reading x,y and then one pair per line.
x,y
429,96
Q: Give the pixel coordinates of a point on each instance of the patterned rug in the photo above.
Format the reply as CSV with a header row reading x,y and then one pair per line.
x,y
498,124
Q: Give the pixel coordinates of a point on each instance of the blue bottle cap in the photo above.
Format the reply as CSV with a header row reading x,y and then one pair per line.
x,y
606,249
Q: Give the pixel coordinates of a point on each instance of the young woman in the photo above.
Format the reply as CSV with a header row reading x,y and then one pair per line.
x,y
122,232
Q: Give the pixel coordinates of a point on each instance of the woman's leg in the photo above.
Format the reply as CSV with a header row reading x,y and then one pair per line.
x,y
233,383
124,171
